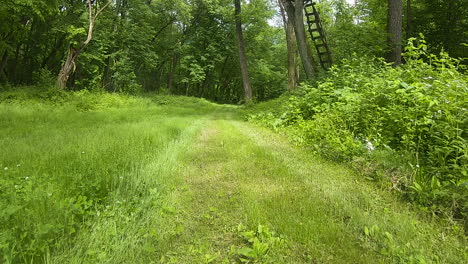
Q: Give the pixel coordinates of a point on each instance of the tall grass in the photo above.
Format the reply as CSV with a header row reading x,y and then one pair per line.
x,y
71,159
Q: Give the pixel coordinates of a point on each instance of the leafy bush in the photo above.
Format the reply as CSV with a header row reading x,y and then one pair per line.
x,y
417,111
124,78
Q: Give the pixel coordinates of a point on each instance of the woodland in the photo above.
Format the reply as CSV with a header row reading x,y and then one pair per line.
x,y
233,131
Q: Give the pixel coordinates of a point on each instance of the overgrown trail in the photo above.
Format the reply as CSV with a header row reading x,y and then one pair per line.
x,y
181,180
238,174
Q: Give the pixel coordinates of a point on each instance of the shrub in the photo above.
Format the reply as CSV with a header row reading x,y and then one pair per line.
x,y
417,111
124,79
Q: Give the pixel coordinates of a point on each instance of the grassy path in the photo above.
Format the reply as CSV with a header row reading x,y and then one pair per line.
x,y
236,173
183,181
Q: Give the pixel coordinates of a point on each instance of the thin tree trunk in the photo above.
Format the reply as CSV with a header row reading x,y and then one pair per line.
x,y
107,74
394,30
242,53
15,64
449,36
296,15
3,63
409,19
107,80
173,66
293,74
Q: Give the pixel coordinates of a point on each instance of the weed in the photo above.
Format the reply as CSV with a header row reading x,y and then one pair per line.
x,y
261,245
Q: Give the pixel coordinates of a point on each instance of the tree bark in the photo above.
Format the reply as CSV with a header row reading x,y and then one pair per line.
x,y
173,66
3,63
296,15
15,64
67,68
293,73
242,53
449,32
394,30
409,19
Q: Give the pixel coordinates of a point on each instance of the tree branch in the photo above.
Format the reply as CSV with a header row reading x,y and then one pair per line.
x,y
102,9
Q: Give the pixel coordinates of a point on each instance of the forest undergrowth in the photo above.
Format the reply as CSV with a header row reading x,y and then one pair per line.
x,y
404,128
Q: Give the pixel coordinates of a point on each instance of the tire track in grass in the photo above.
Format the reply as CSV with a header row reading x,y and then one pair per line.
x,y
229,180
203,227
240,173
354,206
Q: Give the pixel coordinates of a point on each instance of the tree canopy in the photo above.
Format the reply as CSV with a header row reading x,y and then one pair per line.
x,y
189,47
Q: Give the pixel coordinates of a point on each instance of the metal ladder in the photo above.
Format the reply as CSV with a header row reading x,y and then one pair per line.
x,y
317,34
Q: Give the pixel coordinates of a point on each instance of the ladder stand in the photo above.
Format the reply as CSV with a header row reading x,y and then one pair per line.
x,y
317,34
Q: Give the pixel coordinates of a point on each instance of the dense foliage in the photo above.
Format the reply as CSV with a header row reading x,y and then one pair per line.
x,y
189,48
413,116
172,46
77,151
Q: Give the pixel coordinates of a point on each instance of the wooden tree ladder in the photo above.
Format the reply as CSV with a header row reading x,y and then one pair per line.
x,y
317,34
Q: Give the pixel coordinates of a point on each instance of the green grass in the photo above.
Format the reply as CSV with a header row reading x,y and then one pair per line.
x,y
162,179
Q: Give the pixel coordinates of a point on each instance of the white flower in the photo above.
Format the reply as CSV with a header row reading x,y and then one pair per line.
x,y
439,111
26,178
82,152
6,168
121,177
18,165
16,187
369,145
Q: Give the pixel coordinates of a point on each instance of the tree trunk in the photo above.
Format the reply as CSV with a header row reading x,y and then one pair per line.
x,y
15,64
107,74
242,53
293,73
67,68
3,63
296,15
449,32
394,30
409,19
173,66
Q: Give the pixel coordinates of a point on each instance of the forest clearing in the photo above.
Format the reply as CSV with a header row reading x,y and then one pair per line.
x,y
181,180
233,131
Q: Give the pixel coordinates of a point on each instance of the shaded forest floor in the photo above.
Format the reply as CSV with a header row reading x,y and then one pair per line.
x,y
182,180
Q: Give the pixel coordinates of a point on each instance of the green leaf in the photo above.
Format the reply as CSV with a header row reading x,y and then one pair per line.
x,y
246,251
